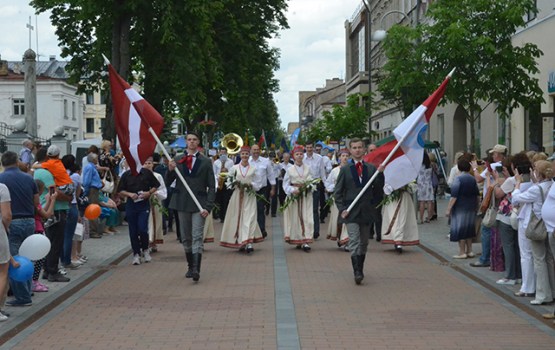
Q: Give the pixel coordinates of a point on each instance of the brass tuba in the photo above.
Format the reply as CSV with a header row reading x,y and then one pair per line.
x,y
232,143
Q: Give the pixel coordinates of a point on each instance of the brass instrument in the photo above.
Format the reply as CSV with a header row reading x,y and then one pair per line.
x,y
221,179
232,143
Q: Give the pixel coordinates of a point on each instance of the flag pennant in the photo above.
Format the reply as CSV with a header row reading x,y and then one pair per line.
x,y
133,117
283,146
404,165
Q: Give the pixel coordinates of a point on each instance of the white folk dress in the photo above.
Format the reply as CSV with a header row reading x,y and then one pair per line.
x,y
240,225
298,220
155,227
404,230
208,233
334,225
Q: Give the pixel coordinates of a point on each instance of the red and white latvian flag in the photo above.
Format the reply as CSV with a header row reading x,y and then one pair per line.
x,y
404,165
133,116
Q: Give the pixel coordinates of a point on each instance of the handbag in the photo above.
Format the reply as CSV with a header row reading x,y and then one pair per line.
x,y
108,183
536,230
79,230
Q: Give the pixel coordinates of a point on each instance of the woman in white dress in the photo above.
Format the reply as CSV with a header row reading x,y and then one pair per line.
x,y
297,217
399,219
155,228
334,225
240,229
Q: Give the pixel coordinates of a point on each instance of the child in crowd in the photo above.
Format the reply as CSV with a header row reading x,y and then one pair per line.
x,y
40,214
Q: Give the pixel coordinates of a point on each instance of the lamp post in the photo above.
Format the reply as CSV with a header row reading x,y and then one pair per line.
x,y
368,104
380,34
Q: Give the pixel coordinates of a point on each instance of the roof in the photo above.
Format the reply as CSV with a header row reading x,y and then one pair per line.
x,y
46,69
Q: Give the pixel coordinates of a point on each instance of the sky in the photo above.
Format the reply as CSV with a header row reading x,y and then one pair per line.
x,y
312,49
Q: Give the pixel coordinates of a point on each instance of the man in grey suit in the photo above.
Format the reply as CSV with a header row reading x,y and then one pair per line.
x,y
350,182
199,174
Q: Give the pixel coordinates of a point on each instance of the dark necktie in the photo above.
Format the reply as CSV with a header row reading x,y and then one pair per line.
x,y
359,169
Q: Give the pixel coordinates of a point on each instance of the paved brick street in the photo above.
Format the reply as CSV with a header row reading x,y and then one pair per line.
x,y
408,301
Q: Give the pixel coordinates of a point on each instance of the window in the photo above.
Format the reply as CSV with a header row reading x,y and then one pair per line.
x,y
65,109
73,110
361,52
103,97
90,98
102,124
90,125
18,107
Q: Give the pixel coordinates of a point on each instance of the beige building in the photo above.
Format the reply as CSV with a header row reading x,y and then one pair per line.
x,y
94,114
312,104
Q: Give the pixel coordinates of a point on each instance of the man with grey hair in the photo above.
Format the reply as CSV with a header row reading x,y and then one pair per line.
x,y
92,184
26,154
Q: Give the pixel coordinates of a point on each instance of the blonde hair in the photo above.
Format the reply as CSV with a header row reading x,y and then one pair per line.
x,y
544,169
105,143
433,157
530,155
539,156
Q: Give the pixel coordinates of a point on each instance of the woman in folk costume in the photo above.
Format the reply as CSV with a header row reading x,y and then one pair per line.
x,y
297,216
155,228
399,225
240,229
334,225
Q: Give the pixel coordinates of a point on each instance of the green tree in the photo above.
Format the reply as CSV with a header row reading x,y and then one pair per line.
x,y
346,121
475,37
184,54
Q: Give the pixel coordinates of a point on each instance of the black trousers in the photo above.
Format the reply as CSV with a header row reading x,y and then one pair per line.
x,y
55,234
260,207
222,198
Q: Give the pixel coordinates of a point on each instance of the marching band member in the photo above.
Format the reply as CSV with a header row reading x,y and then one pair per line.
x,y
222,165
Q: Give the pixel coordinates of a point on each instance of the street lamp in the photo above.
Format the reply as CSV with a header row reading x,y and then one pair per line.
x,y
380,34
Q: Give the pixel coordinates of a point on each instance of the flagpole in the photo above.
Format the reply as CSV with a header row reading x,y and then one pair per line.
x,y
179,175
388,158
153,133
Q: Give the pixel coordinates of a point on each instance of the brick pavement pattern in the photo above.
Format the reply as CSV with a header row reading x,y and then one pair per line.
x,y
408,301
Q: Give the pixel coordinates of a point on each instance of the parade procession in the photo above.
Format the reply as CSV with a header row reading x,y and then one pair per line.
x,y
176,183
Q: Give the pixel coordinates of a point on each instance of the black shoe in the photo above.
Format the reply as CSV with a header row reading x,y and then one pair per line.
x,y
189,257
378,238
306,247
398,249
58,277
316,235
478,264
298,246
249,248
264,234
45,275
322,221
356,269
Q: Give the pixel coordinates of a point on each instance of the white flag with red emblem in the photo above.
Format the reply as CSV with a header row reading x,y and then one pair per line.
x,y
404,164
133,117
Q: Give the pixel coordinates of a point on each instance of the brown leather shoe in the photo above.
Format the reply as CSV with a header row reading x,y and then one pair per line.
x,y
549,316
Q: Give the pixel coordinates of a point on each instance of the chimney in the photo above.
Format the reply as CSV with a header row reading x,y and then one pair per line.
x,y
52,58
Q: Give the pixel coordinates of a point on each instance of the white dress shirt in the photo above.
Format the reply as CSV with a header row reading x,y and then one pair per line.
x,y
264,170
316,165
218,166
327,165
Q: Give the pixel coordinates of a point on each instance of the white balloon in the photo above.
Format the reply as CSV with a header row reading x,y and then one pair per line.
x,y
35,247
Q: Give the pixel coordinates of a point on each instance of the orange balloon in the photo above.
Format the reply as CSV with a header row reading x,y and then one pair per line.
x,y
92,211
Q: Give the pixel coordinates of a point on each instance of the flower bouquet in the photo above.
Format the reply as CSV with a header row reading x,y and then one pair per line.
x,y
304,189
232,183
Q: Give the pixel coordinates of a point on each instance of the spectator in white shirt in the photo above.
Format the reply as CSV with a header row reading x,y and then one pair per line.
x,y
264,174
318,171
285,164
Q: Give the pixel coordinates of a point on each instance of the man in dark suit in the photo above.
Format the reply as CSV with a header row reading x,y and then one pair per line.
x,y
199,174
350,182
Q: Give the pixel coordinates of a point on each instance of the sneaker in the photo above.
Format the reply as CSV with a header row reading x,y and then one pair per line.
x,y
58,278
470,255
16,302
3,317
136,259
39,287
506,281
83,257
146,255
62,271
78,262
51,221
72,266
